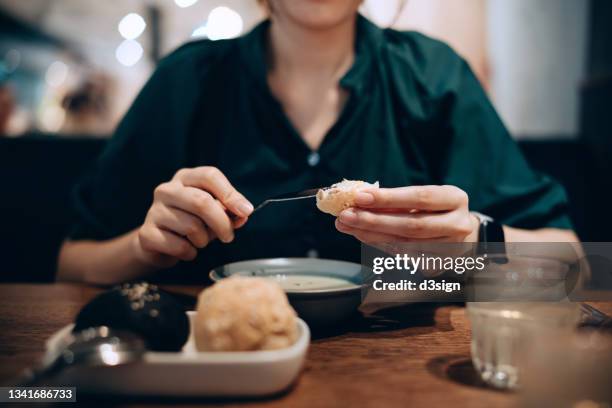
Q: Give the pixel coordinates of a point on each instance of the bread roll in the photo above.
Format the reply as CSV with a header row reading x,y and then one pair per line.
x,y
340,196
241,314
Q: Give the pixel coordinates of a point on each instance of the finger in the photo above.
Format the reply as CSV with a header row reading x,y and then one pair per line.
x,y
213,213
429,198
376,237
167,243
200,203
182,223
373,237
211,234
367,237
212,180
239,222
411,225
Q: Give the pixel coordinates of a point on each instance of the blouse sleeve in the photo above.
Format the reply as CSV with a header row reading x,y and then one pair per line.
x,y
485,161
147,148
470,146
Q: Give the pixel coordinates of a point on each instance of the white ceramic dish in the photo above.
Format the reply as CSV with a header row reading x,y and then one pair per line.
x,y
190,373
324,302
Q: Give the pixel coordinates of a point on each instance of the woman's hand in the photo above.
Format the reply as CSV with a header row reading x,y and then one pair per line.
x,y
187,213
410,214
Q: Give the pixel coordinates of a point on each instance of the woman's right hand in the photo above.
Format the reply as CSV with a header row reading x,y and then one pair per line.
x,y
197,206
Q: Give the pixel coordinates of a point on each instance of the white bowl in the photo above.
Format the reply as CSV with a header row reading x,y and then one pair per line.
x,y
191,373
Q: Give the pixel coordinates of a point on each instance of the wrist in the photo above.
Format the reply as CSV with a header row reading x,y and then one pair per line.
x,y
473,235
142,258
148,261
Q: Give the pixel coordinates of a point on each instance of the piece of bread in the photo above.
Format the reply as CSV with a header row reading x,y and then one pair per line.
x,y
340,196
242,314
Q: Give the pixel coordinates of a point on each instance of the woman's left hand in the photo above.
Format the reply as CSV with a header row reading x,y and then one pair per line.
x,y
410,214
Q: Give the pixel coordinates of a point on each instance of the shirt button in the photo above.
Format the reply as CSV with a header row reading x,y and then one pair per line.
x,y
313,159
312,253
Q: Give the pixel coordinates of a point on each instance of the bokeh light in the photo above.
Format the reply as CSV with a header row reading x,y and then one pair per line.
x,y
185,3
129,52
132,26
56,74
223,23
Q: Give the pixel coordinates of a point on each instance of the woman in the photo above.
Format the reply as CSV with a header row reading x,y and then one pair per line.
x,y
313,95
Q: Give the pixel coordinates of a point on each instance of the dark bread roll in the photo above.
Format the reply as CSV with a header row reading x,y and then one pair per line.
x,y
142,309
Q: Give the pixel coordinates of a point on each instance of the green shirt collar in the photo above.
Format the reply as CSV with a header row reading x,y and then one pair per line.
x,y
367,43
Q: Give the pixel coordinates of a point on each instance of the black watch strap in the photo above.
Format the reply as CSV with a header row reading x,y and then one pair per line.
x,y
491,239
491,231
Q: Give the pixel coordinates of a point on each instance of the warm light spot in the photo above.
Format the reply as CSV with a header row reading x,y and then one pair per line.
x,y
52,118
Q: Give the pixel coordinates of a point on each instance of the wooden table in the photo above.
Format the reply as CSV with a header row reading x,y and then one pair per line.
x,y
412,356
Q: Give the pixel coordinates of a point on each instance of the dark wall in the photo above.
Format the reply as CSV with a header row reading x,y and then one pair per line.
x,y
600,44
571,163
596,91
37,175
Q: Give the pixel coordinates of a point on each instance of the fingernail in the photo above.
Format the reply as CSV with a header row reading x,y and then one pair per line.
x,y
348,217
229,239
364,198
340,226
245,208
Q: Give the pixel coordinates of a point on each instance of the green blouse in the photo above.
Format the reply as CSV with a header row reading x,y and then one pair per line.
x,y
415,115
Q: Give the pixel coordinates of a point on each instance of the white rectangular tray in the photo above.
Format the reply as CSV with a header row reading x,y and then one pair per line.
x,y
190,373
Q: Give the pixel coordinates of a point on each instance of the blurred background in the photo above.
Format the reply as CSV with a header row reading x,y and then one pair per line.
x,y
69,69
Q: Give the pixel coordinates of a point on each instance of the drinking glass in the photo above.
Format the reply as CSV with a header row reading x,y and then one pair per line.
x,y
501,330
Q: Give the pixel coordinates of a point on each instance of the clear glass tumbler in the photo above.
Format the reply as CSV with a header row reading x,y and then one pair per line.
x,y
501,331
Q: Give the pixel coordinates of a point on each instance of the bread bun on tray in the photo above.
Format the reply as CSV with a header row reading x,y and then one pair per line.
x,y
340,196
244,314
